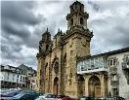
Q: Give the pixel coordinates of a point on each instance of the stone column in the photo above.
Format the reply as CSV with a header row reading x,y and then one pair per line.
x,y
86,85
102,85
59,78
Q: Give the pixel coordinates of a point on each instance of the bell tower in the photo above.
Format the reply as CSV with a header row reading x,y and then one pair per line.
x,y
45,45
77,16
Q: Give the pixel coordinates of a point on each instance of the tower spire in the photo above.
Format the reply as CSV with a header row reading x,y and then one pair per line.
x,y
47,29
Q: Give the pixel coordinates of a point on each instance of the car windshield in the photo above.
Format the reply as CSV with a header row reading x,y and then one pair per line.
x,y
20,95
61,96
83,98
110,99
51,96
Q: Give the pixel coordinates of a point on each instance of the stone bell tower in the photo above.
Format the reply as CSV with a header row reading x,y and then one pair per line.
x,y
77,38
45,48
45,44
57,59
77,15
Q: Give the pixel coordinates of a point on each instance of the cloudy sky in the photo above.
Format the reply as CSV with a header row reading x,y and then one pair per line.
x,y
23,23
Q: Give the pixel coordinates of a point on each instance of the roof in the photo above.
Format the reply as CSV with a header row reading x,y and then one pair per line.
x,y
24,67
105,54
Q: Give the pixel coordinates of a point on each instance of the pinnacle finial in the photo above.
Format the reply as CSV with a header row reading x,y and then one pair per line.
x,y
47,29
58,29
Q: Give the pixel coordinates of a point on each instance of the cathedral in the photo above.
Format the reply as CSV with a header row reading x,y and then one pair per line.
x,y
65,65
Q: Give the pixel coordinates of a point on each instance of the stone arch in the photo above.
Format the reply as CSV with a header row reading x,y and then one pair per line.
x,y
94,86
81,85
55,85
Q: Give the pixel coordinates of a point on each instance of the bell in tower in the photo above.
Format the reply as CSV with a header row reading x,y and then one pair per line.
x,y
77,16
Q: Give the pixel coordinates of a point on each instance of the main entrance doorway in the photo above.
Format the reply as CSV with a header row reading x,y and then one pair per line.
x,y
81,86
94,86
55,87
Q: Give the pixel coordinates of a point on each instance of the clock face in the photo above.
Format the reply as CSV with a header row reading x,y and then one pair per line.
x,y
83,42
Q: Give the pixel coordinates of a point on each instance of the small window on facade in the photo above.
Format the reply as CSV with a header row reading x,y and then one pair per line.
x,y
81,21
47,47
64,58
71,21
112,61
127,59
80,8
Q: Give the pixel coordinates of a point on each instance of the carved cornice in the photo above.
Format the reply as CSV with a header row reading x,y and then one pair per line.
x,y
80,30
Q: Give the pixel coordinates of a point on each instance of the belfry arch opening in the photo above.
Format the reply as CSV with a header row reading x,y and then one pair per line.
x,y
81,85
94,86
55,85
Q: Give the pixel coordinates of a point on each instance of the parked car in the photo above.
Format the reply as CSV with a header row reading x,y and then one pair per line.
x,y
47,96
119,98
105,98
86,98
110,98
27,95
51,97
60,97
68,98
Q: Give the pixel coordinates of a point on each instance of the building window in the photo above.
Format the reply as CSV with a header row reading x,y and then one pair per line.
x,y
127,59
115,92
81,21
112,61
71,21
47,47
64,58
114,78
13,77
21,79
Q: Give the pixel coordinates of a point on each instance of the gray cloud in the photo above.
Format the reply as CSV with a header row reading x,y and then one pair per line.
x,y
24,22
16,18
109,24
20,12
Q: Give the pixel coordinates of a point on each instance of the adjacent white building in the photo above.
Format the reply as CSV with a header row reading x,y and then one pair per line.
x,y
12,77
119,74
105,74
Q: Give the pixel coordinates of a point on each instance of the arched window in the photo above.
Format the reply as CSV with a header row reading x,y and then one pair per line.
x,y
81,21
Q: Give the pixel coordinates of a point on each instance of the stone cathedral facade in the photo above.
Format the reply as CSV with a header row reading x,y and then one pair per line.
x,y
59,68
